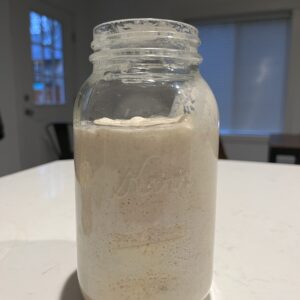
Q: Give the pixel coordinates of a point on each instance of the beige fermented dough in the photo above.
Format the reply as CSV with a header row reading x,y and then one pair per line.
x,y
145,208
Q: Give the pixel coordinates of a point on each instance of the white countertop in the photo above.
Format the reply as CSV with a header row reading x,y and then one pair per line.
x,y
257,252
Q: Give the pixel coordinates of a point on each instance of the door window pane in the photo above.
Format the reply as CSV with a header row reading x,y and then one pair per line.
x,y
48,54
59,88
47,60
36,53
47,28
35,27
57,35
245,64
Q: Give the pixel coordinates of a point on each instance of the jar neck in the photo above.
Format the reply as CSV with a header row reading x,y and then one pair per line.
x,y
145,48
154,69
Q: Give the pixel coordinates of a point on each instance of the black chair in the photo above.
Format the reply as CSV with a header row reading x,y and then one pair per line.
x,y
222,153
60,135
284,144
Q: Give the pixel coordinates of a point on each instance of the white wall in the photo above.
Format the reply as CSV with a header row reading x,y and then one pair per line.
x,y
244,148
9,146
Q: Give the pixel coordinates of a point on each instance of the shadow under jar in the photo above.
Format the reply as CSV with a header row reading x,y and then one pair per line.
x,y
146,144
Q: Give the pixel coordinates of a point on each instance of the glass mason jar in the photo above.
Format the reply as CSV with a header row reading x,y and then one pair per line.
x,y
146,145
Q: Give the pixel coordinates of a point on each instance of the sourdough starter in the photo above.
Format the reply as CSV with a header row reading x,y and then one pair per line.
x,y
145,208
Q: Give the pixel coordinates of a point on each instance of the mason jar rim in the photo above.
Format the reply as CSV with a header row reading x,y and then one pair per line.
x,y
193,30
151,35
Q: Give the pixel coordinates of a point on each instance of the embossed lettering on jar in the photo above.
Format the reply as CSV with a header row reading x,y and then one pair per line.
x,y
146,139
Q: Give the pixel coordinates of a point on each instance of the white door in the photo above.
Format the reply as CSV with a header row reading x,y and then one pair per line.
x,y
42,43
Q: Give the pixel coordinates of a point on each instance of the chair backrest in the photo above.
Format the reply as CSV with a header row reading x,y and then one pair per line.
x,y
60,135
